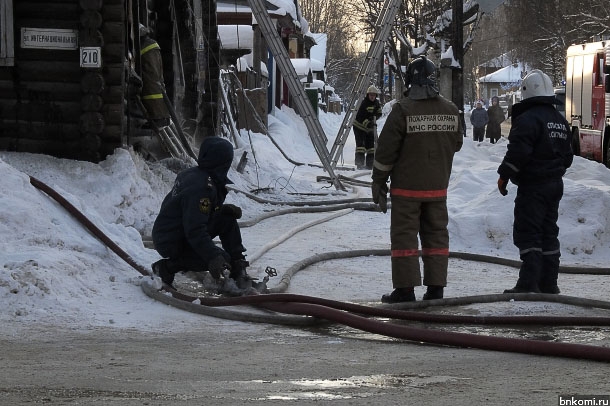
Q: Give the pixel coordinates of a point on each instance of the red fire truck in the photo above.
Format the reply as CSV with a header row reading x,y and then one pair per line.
x,y
588,99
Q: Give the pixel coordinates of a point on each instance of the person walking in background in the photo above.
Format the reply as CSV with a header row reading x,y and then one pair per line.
x,y
364,131
539,152
496,117
415,149
478,119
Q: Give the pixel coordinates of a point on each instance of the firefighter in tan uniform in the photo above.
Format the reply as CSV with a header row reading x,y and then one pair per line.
x,y
415,151
152,80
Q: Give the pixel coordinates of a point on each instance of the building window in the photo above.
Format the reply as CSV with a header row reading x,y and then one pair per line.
x,y
7,46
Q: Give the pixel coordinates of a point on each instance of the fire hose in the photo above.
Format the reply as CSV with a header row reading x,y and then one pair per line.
x,y
306,308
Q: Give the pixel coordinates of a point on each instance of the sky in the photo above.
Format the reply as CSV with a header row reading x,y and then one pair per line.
x,y
54,272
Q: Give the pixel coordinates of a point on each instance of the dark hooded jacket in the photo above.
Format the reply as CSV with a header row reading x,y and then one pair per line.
x,y
195,197
539,143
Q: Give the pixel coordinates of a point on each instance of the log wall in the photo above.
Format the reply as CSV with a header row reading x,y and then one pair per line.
x,y
48,103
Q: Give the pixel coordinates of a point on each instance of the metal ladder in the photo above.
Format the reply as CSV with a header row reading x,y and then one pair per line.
x,y
172,138
314,128
383,26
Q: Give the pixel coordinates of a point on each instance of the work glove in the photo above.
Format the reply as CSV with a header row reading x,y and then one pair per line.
x,y
231,210
380,195
217,265
502,183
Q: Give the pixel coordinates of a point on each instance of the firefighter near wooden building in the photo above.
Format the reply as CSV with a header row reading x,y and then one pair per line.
x,y
153,86
415,151
364,129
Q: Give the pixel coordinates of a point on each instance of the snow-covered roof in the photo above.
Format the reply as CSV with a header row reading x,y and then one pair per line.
x,y
301,65
508,74
245,62
287,7
284,7
318,52
317,84
316,65
235,36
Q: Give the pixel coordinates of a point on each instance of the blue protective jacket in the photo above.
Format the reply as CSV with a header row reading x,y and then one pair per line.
x,y
197,193
539,143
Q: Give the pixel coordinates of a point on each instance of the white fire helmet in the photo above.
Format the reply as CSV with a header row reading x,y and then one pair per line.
x,y
372,89
536,83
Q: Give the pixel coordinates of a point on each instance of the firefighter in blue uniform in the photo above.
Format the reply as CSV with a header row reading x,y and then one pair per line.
x,y
193,213
364,131
539,152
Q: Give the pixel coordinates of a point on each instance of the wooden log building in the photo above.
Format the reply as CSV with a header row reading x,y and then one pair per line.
x,y
66,66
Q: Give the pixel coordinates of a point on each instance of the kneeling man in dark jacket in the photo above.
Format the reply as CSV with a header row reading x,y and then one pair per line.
x,y
193,213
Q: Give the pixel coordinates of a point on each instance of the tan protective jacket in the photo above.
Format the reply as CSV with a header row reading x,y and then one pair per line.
x,y
416,148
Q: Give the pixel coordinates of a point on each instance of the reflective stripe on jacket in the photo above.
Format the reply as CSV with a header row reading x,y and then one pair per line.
x,y
152,79
416,148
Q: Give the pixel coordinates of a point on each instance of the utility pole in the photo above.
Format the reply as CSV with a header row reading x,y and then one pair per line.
x,y
457,74
382,78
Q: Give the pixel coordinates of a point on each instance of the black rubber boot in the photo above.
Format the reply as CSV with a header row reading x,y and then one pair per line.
x,y
359,160
550,271
521,287
239,274
399,295
529,273
166,269
370,158
552,289
434,292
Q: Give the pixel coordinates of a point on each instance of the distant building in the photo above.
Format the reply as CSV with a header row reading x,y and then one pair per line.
x,y
500,82
244,47
328,99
